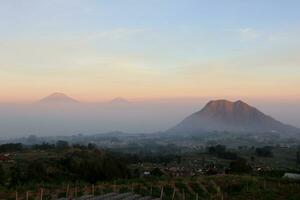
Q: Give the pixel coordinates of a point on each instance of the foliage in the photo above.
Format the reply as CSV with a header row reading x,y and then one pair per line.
x,y
212,187
221,152
62,144
198,188
264,151
157,172
239,166
43,146
11,147
89,166
2,175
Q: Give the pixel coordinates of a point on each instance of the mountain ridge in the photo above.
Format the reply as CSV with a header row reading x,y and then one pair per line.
x,y
119,100
57,97
238,116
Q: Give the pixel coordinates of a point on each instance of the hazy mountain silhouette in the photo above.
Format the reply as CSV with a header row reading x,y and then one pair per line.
x,y
119,100
57,97
223,115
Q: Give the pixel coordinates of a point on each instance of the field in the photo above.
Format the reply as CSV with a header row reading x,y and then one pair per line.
x,y
61,170
205,187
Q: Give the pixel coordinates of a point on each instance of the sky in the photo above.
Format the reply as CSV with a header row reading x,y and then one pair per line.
x,y
100,49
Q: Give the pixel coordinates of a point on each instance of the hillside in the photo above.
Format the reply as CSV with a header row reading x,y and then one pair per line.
x,y
223,115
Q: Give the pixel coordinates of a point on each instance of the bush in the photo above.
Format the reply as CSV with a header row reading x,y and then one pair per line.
x,y
239,166
198,189
213,188
156,172
264,152
87,166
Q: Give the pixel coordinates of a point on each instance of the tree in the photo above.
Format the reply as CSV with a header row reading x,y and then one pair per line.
x,y
240,166
264,151
11,147
157,172
43,146
218,149
60,144
16,176
32,139
91,166
91,146
2,175
221,152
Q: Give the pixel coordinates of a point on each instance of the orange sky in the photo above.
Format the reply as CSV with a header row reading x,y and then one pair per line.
x,y
159,55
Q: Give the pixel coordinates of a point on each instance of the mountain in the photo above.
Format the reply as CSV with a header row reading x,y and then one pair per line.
x,y
58,97
118,100
223,115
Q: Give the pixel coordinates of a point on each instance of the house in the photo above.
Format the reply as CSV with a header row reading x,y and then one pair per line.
x,y
5,159
292,176
147,173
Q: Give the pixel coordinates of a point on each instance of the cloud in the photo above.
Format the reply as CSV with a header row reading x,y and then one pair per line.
x,y
65,51
118,33
248,34
261,73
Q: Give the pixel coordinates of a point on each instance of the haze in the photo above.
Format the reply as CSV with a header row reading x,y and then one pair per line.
x,y
168,58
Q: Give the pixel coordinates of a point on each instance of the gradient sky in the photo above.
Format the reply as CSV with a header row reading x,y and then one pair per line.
x,y
149,48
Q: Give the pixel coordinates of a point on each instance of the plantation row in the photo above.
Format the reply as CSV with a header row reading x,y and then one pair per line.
x,y
214,187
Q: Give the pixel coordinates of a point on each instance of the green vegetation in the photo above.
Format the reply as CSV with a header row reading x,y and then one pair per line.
x,y
264,151
62,169
239,166
209,187
62,164
221,152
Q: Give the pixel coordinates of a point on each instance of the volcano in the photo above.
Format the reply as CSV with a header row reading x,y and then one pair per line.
x,y
58,97
223,115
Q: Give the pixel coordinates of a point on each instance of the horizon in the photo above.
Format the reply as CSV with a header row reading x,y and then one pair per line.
x,y
149,99
67,118
271,99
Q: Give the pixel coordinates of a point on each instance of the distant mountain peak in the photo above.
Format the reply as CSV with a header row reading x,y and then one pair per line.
x,y
238,116
119,100
58,97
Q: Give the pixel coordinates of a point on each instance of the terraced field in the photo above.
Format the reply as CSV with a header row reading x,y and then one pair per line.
x,y
114,196
197,188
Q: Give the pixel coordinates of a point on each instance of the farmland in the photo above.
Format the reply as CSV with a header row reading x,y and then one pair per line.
x,y
206,187
64,170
